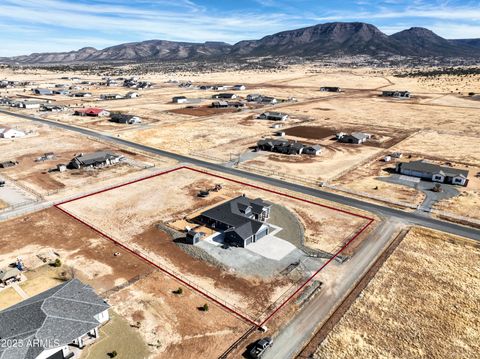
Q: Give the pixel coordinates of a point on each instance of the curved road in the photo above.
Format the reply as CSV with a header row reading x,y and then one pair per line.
x,y
416,218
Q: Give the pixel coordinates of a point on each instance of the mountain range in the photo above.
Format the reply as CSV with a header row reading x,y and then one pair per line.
x,y
331,39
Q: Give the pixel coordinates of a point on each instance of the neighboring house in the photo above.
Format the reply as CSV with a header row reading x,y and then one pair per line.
x,y
48,324
92,111
355,137
51,108
220,104
220,87
7,276
7,132
330,89
433,172
61,92
81,94
43,92
132,95
96,159
396,94
205,87
287,147
239,87
242,220
111,96
7,164
273,116
253,97
226,96
26,104
122,118
267,100
179,99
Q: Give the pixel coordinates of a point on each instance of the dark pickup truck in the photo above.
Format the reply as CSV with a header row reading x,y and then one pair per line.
x,y
260,348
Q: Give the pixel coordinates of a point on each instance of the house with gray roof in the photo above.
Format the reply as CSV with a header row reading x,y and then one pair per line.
x,y
396,94
46,325
288,147
8,275
273,116
355,137
242,220
433,172
95,159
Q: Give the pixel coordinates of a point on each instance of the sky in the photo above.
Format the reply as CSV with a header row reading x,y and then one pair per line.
x,y
28,26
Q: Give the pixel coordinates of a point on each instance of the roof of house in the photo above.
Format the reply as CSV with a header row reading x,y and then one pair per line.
x,y
232,213
431,168
95,157
360,135
91,110
8,273
61,314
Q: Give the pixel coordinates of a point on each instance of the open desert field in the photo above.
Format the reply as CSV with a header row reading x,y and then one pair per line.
x,y
138,218
161,321
422,303
35,176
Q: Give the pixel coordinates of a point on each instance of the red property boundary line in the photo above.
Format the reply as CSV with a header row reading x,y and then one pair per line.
x,y
238,314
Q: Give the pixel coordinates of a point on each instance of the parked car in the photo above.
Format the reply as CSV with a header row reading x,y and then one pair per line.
x,y
260,347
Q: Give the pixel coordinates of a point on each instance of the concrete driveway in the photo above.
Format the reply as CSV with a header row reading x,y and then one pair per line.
x,y
272,247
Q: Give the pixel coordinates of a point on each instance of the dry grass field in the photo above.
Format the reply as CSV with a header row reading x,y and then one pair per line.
x,y
423,303
65,145
168,198
166,323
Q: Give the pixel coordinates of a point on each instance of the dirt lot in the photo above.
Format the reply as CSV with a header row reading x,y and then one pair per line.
x,y
142,205
422,303
41,139
133,288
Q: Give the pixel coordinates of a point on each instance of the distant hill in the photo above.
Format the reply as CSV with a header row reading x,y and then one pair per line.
x,y
468,42
332,39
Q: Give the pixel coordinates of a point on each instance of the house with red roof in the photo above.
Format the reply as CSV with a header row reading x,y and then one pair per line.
x,y
92,111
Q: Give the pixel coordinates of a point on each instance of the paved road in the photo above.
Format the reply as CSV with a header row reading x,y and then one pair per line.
x,y
293,336
412,217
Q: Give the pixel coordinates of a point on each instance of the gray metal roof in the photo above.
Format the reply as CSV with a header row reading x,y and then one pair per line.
x,y
60,314
233,214
431,168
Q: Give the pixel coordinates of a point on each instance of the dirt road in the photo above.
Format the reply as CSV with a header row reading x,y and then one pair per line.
x,y
294,336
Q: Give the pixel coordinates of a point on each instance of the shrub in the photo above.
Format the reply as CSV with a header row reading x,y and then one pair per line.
x,y
113,354
178,291
57,263
205,307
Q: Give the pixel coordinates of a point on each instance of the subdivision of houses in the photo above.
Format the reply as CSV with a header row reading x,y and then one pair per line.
x,y
242,220
396,94
273,116
124,118
355,137
95,159
92,111
51,323
433,172
330,89
7,132
288,147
